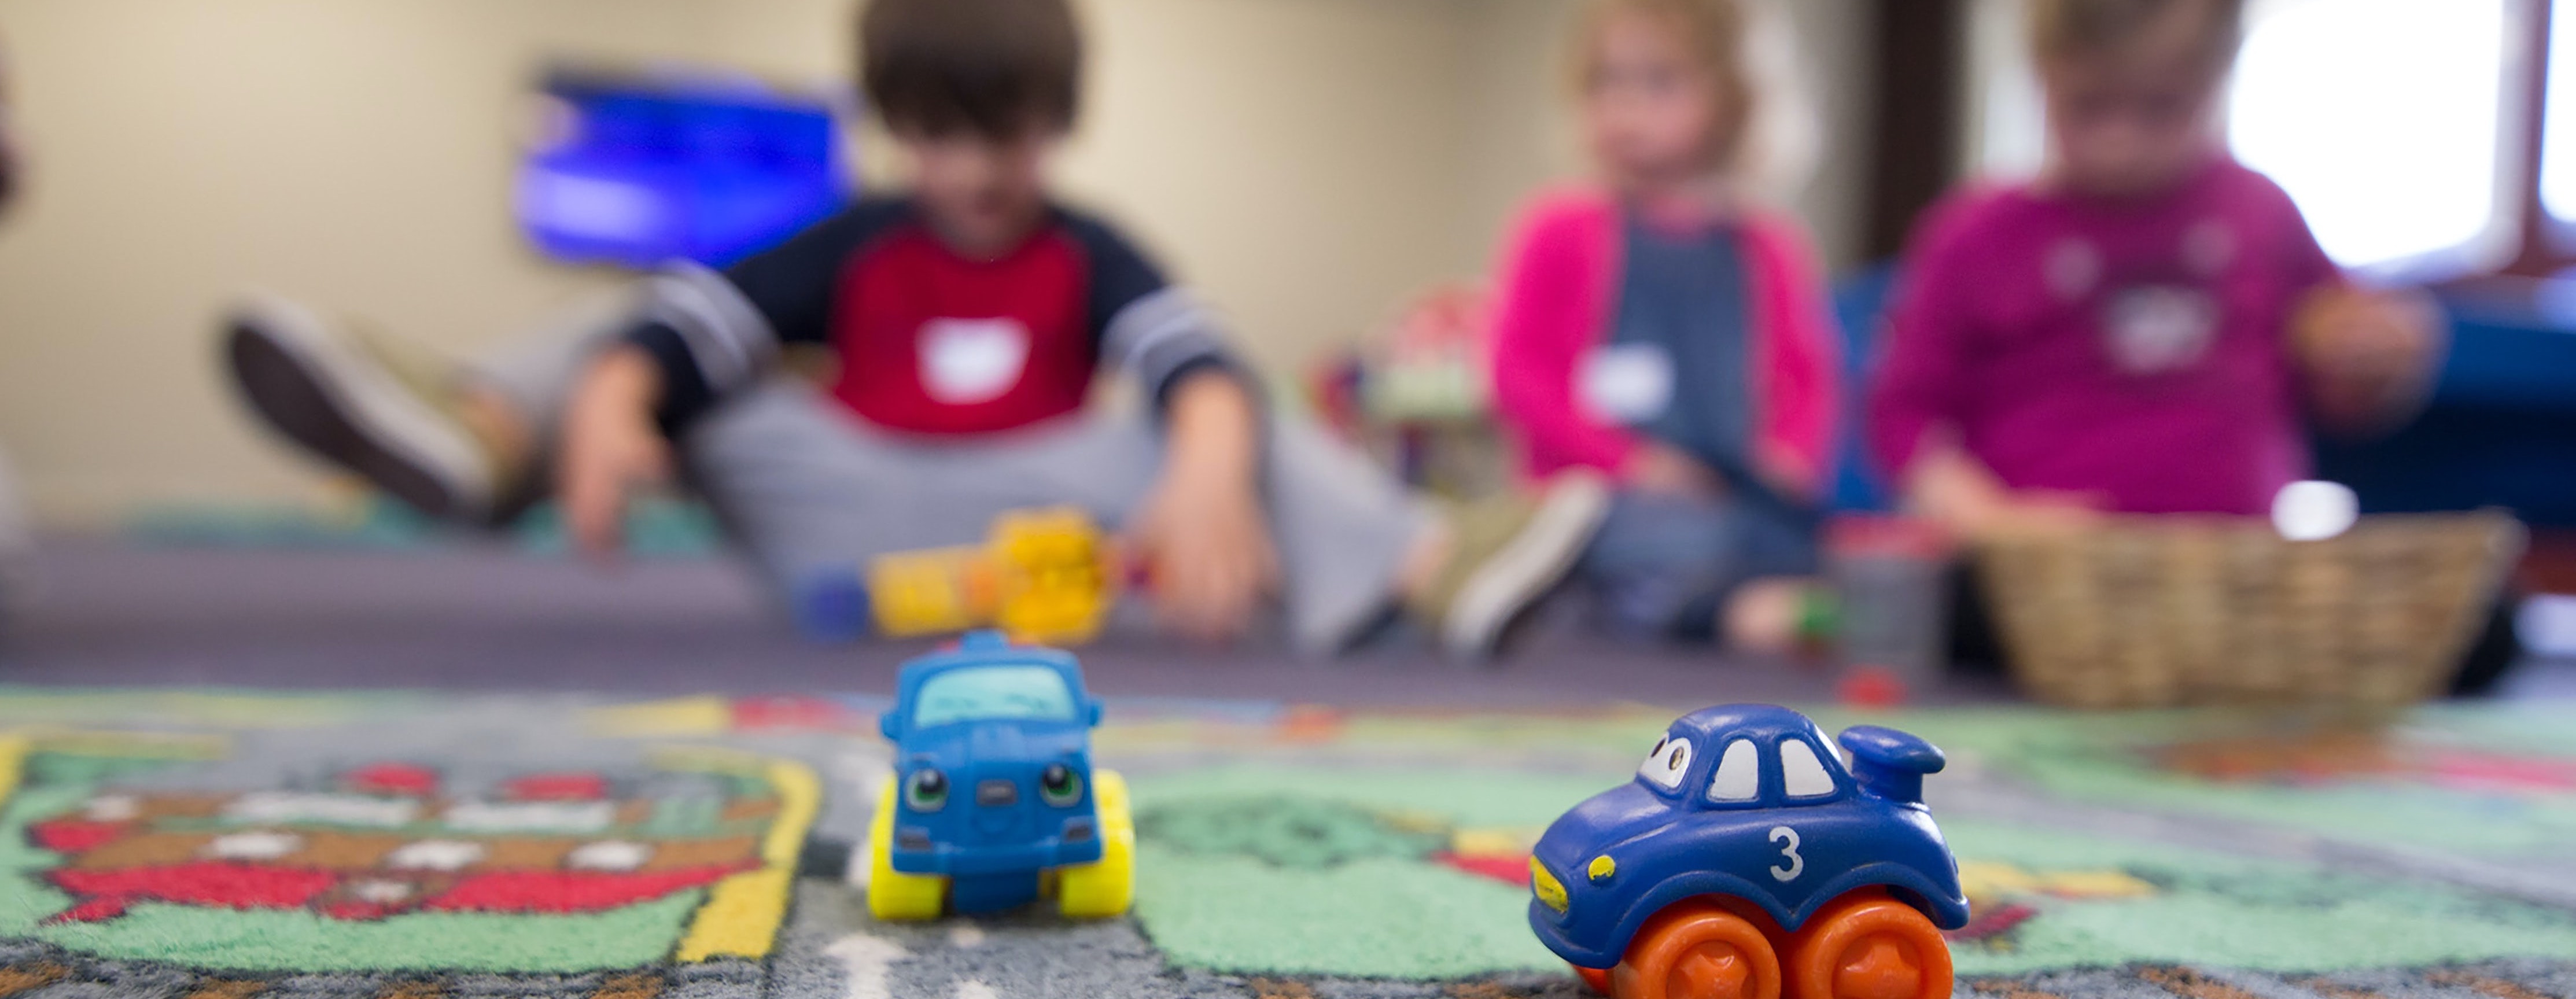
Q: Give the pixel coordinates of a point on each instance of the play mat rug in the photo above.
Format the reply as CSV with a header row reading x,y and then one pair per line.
x,y
215,845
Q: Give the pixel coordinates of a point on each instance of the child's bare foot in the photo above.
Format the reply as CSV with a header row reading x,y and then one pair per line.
x,y
397,417
1764,616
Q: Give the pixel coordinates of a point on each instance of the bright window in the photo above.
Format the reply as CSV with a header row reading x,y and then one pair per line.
x,y
2382,118
2558,142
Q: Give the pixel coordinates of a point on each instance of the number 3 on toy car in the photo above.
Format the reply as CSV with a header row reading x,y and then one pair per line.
x,y
1797,864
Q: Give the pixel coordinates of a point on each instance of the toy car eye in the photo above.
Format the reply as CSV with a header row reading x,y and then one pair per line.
x,y
1059,785
1667,763
926,791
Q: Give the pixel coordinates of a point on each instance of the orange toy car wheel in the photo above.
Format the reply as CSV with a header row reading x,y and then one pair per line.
x,y
1598,978
1697,950
1869,946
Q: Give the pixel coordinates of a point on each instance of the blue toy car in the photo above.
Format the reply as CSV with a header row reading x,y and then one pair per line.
x,y
993,802
1744,861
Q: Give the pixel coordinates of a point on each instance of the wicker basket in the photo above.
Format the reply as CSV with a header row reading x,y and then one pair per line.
x,y
2153,611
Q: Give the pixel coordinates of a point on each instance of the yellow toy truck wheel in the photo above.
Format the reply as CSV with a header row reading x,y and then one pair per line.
x,y
892,894
1105,887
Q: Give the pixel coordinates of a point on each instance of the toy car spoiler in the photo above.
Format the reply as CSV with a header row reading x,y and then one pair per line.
x,y
1891,764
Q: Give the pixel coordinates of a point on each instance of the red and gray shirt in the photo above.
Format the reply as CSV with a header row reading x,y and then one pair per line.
x,y
930,342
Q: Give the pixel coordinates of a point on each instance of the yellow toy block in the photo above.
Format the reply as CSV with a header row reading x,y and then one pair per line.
x,y
1043,576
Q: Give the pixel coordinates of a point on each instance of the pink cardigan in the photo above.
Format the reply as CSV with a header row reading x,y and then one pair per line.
x,y
1558,296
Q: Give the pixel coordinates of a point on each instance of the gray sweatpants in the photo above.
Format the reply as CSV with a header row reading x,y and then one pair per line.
x,y
805,487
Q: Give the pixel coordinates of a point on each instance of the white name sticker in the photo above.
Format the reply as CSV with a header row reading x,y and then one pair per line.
x,y
1626,383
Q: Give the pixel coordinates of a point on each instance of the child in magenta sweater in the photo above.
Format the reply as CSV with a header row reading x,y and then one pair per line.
x,y
2149,327
1660,327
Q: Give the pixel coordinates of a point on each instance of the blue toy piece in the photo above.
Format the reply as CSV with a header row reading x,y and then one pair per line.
x,y
1744,861
994,803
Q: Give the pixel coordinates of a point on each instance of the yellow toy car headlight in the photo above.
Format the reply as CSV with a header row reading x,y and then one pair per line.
x,y
1551,893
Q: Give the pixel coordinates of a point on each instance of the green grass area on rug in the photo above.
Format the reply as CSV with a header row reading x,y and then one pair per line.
x,y
1228,897
2486,782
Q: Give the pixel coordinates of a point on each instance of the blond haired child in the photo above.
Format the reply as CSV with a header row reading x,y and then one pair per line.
x,y
2147,328
1662,326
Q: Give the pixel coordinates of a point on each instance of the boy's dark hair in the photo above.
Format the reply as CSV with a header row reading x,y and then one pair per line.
x,y
992,67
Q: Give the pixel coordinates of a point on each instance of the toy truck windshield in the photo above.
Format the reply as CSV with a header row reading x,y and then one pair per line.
x,y
993,693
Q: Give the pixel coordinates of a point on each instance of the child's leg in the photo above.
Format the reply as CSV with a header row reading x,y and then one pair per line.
x,y
810,492
1348,537
1776,562
522,388
457,442
1657,564
1355,546
1734,569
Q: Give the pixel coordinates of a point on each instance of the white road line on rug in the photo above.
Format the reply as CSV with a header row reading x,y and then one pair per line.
x,y
963,935
864,959
973,989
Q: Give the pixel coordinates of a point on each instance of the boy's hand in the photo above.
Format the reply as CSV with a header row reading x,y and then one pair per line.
x,y
2369,355
610,446
1659,469
1954,488
1202,531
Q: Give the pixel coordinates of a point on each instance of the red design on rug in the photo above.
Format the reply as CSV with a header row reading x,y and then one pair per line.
x,y
558,787
211,883
2501,772
398,779
1510,869
813,714
560,892
106,894
1994,922
74,835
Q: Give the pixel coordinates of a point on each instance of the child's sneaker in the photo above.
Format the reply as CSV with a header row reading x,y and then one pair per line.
x,y
386,413
1507,553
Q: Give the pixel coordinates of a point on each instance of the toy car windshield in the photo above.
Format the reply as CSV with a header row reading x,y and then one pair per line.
x,y
993,693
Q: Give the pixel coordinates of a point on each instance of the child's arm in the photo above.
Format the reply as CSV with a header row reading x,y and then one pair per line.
x,y
702,337
2370,357
1951,486
610,446
2367,358
1802,371
1203,530
1546,310
1919,394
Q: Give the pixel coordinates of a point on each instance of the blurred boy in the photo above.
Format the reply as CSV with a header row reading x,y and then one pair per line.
x,y
966,321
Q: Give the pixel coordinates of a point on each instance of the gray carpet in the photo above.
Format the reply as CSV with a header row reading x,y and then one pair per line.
x,y
489,618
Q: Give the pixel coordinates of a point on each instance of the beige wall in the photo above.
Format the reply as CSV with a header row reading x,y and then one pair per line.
x,y
1306,162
